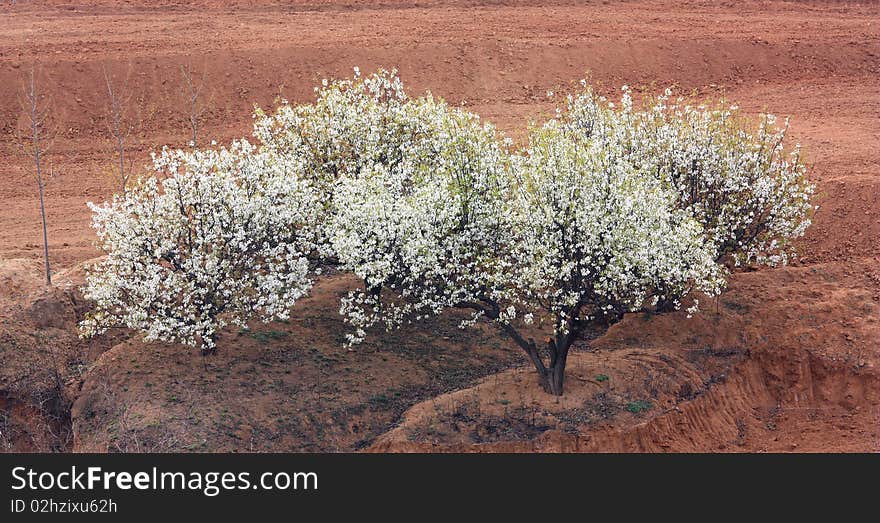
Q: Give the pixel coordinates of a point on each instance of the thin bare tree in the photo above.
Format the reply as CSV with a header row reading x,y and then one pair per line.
x,y
119,124
34,139
196,105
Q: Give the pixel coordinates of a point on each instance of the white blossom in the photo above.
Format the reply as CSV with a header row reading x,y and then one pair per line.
x,y
223,236
749,193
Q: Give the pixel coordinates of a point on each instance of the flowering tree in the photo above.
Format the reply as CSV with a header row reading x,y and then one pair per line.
x,y
561,236
226,234
577,237
608,210
595,237
229,234
747,190
406,182
427,229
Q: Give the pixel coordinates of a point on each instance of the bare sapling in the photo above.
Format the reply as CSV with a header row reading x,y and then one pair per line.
x,y
34,139
195,104
119,124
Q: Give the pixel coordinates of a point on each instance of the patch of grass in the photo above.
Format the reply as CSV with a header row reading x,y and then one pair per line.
x,y
602,378
264,337
639,406
736,307
379,400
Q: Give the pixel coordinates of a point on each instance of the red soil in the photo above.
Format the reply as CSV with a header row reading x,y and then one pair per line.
x,y
786,360
812,335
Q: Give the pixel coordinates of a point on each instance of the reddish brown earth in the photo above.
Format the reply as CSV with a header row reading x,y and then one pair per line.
x,y
787,362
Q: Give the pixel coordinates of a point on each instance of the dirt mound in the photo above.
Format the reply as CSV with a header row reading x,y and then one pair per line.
x,y
803,375
43,359
285,386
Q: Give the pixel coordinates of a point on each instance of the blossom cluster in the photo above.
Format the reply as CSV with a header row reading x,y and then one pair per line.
x,y
428,229
217,236
415,194
597,235
749,192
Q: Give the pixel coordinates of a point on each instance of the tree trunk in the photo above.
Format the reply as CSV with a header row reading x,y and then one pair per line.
x,y
552,378
552,375
43,216
556,378
121,153
45,238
